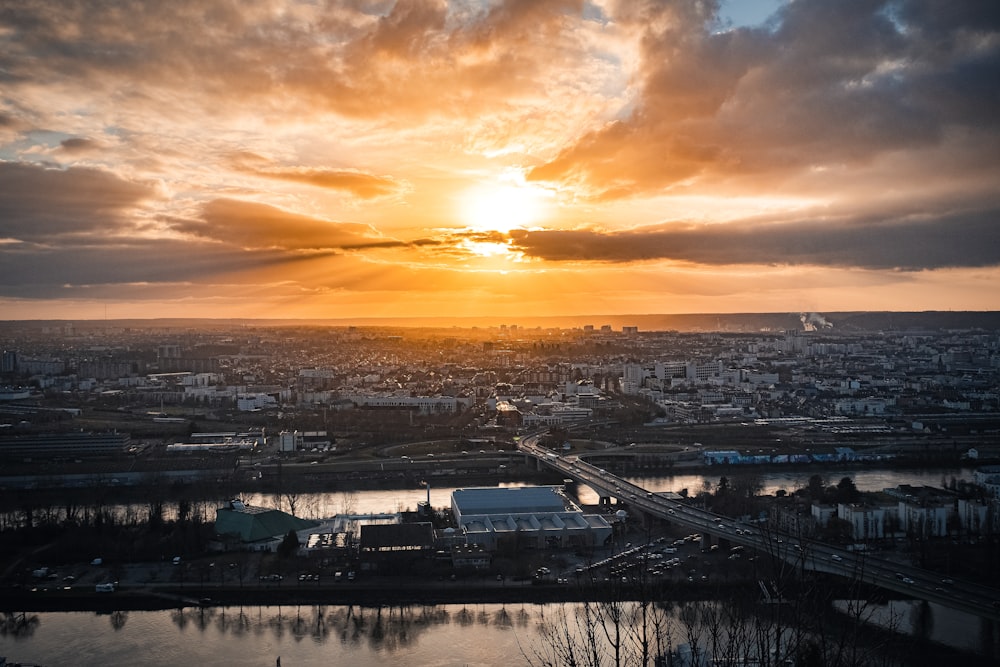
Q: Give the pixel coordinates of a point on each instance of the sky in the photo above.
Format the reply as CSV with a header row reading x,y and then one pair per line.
x,y
497,158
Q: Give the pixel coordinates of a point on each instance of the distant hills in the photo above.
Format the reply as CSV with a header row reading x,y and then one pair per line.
x,y
836,322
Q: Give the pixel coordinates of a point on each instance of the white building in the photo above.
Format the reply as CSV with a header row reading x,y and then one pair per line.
x,y
258,401
975,516
425,405
924,520
867,522
531,517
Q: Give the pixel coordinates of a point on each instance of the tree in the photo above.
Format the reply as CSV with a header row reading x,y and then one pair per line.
x,y
847,492
816,487
289,545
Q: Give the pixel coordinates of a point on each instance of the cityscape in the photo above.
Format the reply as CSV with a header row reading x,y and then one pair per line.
x,y
226,464
558,333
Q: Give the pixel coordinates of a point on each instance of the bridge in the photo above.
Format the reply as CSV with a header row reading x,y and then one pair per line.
x,y
811,555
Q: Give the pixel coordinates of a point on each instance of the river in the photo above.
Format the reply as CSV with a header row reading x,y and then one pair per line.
x,y
320,505
485,634
308,635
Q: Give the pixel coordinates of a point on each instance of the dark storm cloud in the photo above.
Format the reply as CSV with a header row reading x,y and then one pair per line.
x,y
77,145
966,239
829,83
245,224
38,203
138,263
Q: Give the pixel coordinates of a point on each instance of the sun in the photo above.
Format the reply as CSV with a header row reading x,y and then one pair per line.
x,y
502,207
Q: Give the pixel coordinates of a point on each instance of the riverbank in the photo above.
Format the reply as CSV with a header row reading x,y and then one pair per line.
x,y
389,592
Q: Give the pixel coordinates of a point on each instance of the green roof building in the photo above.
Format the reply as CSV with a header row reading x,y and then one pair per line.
x,y
257,528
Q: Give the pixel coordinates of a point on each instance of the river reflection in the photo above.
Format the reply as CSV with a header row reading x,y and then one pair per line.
x,y
300,635
482,634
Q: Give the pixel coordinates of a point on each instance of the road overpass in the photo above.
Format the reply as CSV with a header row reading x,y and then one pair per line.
x,y
808,554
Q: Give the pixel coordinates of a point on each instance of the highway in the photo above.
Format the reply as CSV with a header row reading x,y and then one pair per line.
x,y
808,554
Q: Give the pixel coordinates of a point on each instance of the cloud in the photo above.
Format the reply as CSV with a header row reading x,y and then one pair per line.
x,y
225,141
364,186
142,261
828,84
39,203
78,145
426,57
910,243
252,225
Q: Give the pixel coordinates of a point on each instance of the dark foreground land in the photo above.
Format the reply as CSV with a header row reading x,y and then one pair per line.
x,y
397,591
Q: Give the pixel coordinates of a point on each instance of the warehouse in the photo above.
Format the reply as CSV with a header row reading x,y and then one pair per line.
x,y
525,517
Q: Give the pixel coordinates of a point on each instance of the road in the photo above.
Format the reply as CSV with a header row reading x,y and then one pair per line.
x,y
811,555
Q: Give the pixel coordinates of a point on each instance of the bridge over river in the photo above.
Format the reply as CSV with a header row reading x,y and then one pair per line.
x,y
811,555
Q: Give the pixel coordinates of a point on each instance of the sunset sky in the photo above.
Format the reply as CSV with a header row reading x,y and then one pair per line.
x,y
355,158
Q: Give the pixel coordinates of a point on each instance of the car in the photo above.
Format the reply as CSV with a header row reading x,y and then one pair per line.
x,y
908,581
836,557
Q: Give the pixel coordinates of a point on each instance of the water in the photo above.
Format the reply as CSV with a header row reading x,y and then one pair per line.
x,y
260,635
437,636
477,635
321,505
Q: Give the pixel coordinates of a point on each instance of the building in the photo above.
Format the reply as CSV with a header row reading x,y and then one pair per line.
x,y
470,556
395,547
257,528
529,517
867,522
977,517
924,519
64,445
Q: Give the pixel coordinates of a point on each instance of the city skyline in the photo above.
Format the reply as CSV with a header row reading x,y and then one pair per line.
x,y
468,159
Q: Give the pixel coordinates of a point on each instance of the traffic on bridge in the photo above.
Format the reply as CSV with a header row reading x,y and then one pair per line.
x,y
808,554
